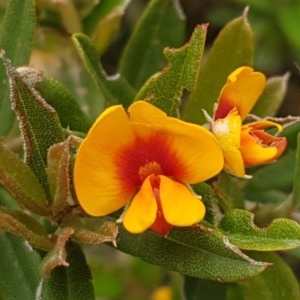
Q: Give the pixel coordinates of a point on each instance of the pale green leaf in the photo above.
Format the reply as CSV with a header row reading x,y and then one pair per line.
x,y
272,97
232,48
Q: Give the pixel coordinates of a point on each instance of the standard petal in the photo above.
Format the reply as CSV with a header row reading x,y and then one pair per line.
x,y
142,211
228,133
242,90
99,188
180,206
187,152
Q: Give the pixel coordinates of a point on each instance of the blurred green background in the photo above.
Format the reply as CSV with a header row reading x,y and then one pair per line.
x,y
275,25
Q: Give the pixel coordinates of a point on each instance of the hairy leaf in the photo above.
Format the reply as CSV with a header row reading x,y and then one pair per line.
x,y
39,122
165,89
281,234
19,268
232,48
58,177
25,226
21,182
194,251
59,97
70,283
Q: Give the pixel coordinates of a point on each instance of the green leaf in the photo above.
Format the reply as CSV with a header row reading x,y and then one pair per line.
x,y
287,21
161,25
17,35
21,182
272,97
194,251
275,283
296,185
24,225
19,268
115,89
60,98
276,176
195,289
165,88
281,234
210,200
70,283
232,48
228,190
39,122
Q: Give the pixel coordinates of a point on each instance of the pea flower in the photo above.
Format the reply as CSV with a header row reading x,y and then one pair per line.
x,y
244,145
144,160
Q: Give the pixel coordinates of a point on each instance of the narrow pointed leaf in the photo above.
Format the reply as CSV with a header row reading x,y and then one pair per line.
x,y
276,283
115,89
17,35
21,183
91,230
232,48
60,98
19,268
281,234
57,255
39,123
58,177
24,226
70,283
143,54
165,89
195,252
272,97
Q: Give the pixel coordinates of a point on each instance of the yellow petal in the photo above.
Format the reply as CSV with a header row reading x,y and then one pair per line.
x,y
228,133
98,185
180,206
242,90
141,213
190,152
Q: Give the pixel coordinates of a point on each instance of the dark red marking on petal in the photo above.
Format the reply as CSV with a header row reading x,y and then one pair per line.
x,y
155,149
223,109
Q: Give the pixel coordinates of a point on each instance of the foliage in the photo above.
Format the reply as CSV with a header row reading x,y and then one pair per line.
x,y
46,109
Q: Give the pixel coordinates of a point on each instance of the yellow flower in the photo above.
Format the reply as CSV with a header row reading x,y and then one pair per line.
x,y
244,145
143,160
